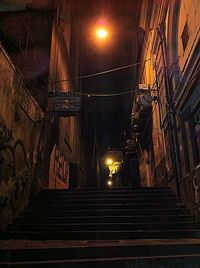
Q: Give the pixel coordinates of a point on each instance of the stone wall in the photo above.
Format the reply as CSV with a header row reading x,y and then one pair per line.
x,y
172,44
20,118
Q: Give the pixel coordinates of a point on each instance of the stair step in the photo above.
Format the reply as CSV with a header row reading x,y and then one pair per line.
x,y
90,206
104,226
105,195
100,221
106,212
151,200
113,191
188,261
92,252
103,219
104,235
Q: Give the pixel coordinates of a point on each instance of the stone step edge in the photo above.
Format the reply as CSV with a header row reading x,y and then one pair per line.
x,y
104,223
105,231
56,244
105,216
151,258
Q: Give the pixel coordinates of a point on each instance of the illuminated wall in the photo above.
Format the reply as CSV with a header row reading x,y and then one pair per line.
x,y
171,42
64,65
20,117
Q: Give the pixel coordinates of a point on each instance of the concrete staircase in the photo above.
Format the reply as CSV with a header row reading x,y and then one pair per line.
x,y
148,227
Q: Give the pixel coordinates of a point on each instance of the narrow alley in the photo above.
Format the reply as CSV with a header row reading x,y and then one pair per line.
x,y
100,133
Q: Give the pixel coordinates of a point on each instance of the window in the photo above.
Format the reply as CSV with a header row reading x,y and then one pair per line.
x,y
190,128
169,156
185,146
185,36
195,128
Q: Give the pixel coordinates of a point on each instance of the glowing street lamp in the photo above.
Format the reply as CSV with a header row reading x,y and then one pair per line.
x,y
109,161
109,183
102,33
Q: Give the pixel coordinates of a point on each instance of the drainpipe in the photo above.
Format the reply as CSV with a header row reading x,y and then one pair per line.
x,y
171,111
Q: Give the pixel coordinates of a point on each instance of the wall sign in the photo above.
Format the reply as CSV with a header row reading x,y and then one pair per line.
x,y
65,103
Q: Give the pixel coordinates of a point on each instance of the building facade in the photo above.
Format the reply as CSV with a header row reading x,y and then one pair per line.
x,y
39,55
167,110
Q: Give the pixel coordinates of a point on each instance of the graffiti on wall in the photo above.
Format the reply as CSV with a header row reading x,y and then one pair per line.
x,y
59,170
14,171
5,134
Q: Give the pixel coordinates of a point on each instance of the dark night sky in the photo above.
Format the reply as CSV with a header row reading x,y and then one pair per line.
x,y
111,113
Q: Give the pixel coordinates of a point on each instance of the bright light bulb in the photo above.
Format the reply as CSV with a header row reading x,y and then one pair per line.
x,y
109,161
102,33
110,183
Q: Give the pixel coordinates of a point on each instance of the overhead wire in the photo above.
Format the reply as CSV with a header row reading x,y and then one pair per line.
x,y
106,95
90,94
101,73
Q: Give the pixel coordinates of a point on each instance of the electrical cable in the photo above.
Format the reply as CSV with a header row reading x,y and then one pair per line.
x,y
106,95
90,94
101,73
102,94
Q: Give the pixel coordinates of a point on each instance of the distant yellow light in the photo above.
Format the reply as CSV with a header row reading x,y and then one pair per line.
x,y
102,33
109,161
109,183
